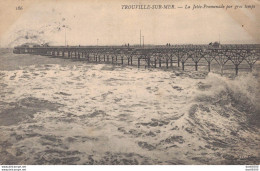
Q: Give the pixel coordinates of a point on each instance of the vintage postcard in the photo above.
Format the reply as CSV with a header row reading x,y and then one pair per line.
x,y
129,82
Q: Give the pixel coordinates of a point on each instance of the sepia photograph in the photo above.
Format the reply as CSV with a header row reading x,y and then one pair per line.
x,y
129,82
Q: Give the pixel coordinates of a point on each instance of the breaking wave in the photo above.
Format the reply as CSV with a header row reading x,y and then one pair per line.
x,y
70,112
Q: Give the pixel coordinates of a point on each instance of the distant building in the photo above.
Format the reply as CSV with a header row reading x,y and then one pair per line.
x,y
45,45
215,44
30,45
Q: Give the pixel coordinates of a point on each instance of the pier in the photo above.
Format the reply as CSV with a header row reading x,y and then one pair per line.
x,y
227,56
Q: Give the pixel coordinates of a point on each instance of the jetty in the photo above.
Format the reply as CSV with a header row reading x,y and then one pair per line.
x,y
231,56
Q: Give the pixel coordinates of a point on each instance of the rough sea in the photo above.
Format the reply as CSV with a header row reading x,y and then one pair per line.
x,y
59,111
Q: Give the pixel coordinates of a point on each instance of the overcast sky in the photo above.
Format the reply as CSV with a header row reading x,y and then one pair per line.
x,y
87,21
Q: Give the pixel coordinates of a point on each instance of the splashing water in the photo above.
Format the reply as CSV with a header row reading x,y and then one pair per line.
x,y
80,113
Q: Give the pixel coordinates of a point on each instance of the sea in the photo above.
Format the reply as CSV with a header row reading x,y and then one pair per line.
x,y
56,111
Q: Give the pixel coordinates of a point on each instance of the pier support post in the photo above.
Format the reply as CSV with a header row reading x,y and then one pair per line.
x,y
221,69
122,60
178,61
68,54
209,66
62,53
128,61
88,57
167,63
107,58
78,55
112,59
148,62
182,66
104,58
196,66
131,60
154,62
160,63
138,63
236,68
171,61
251,67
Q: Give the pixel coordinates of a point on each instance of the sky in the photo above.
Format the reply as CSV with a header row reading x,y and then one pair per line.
x,y
106,23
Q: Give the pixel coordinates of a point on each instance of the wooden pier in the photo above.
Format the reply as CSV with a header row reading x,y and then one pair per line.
x,y
225,56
